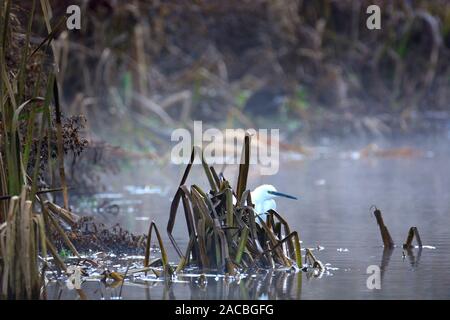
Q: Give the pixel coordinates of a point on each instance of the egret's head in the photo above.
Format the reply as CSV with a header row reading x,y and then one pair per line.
x,y
267,192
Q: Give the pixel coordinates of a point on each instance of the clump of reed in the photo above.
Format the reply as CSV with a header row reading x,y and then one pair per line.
x,y
21,237
26,236
27,220
224,232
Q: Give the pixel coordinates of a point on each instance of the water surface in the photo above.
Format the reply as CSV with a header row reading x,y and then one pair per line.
x,y
336,189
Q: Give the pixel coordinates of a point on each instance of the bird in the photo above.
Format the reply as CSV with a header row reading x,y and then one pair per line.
x,y
263,197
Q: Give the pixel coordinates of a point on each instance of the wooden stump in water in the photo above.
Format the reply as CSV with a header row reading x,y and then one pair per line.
x,y
387,239
413,232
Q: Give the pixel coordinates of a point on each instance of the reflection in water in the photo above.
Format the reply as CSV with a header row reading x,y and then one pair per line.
x,y
273,285
387,253
413,259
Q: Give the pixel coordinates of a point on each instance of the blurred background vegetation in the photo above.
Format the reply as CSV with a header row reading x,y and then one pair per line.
x,y
138,69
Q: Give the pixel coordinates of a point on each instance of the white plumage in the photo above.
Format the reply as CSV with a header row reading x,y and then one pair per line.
x,y
263,199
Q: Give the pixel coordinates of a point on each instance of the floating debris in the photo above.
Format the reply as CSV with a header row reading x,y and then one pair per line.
x,y
330,268
373,150
136,190
320,182
142,218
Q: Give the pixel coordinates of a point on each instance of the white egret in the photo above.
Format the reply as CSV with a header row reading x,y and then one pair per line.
x,y
263,199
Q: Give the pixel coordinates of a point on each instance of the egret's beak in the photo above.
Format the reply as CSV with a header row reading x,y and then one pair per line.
x,y
275,193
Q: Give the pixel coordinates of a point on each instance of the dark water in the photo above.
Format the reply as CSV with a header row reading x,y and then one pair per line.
x,y
335,190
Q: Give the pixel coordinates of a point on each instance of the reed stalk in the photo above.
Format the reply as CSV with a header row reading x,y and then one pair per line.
x,y
24,232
